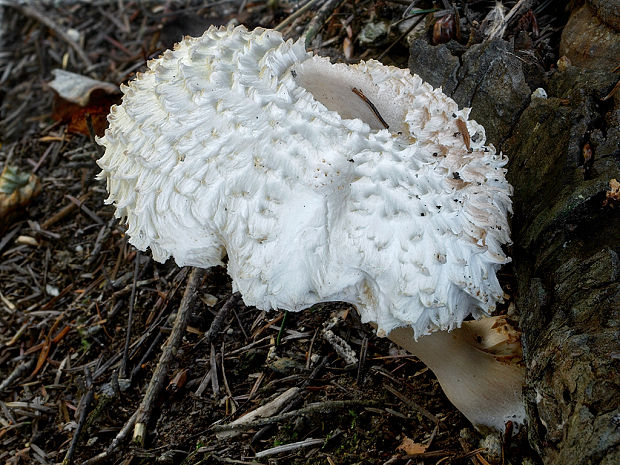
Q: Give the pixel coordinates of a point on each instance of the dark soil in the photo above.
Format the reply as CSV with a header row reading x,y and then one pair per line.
x,y
69,280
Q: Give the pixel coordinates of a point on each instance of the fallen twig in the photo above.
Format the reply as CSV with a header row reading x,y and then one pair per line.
x,y
294,403
413,405
17,372
156,343
317,407
159,375
362,360
512,16
372,106
122,434
219,320
215,384
403,35
231,398
85,209
264,411
84,409
341,346
64,211
132,299
319,19
293,16
289,447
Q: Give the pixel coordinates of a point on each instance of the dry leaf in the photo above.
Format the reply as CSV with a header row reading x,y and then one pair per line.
x,y
77,89
587,153
45,350
411,448
612,197
79,96
16,191
178,381
444,29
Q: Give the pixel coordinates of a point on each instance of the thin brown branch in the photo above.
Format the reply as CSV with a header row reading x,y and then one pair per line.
x,y
159,375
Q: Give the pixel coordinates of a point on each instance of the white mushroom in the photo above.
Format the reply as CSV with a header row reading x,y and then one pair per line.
x,y
320,182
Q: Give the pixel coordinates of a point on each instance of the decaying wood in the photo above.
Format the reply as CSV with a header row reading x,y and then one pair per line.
x,y
326,407
264,411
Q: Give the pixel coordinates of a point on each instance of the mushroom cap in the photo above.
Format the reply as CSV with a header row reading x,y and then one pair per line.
x,y
238,143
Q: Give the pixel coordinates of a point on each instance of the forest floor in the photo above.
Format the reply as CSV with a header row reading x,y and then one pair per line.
x,y
84,316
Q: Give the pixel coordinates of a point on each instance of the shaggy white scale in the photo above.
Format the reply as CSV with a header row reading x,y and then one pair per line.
x,y
238,143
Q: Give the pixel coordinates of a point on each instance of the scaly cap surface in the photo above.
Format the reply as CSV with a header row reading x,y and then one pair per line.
x,y
242,144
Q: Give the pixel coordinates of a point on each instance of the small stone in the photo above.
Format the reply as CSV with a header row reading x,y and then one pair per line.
x,y
52,290
27,240
285,366
209,300
539,93
73,34
563,63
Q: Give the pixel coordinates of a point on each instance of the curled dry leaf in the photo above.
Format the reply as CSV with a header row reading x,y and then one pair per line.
x,y
79,96
75,88
178,381
444,29
16,190
528,22
612,197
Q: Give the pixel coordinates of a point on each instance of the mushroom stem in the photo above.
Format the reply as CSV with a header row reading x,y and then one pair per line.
x,y
479,367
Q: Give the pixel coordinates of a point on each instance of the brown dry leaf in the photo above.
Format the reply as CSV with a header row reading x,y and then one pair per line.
x,y
444,29
16,191
45,350
587,153
614,90
411,448
56,339
178,381
78,96
76,116
612,197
